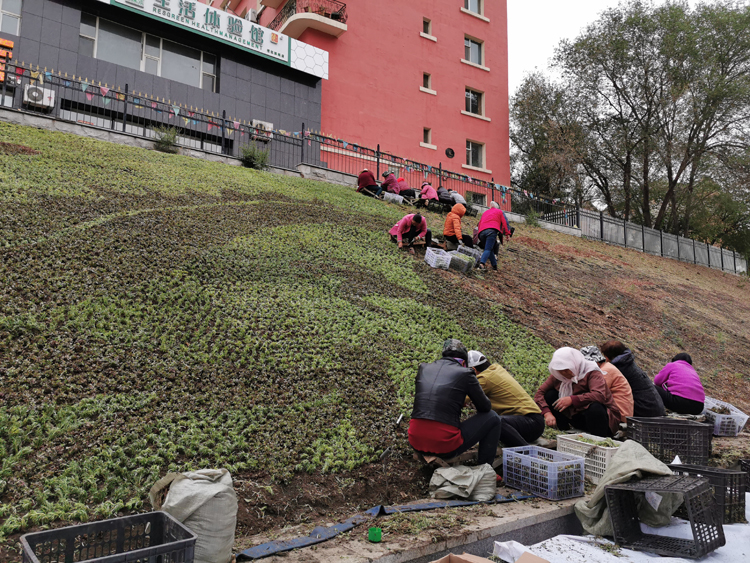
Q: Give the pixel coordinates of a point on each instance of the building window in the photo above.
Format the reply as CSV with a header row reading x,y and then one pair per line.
x,y
473,51
477,199
427,26
115,43
427,136
474,154
427,81
474,6
10,16
474,102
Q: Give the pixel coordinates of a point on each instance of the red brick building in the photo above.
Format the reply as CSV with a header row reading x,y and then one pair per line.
x,y
423,78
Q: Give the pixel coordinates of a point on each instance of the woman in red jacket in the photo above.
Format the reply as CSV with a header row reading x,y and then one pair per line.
x,y
491,225
576,394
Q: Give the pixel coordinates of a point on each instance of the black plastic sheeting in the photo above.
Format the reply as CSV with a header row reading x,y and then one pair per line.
x,y
321,534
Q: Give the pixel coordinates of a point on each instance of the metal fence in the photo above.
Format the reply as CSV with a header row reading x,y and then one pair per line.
x,y
118,109
623,233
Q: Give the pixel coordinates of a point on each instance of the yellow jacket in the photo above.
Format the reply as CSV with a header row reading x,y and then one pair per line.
x,y
505,393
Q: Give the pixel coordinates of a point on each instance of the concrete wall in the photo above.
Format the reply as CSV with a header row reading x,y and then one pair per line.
x,y
249,87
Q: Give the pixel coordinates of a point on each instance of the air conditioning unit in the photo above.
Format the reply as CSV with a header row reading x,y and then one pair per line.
x,y
252,15
264,128
34,95
12,80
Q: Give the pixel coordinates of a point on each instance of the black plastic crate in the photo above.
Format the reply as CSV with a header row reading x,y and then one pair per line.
x,y
702,511
668,437
155,537
729,488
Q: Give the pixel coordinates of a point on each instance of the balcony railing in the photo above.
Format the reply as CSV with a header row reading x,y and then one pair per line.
x,y
332,9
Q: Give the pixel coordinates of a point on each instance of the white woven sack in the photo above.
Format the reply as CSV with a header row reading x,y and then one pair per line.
x,y
471,483
206,503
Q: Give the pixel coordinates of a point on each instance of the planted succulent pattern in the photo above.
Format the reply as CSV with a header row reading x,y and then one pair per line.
x,y
160,313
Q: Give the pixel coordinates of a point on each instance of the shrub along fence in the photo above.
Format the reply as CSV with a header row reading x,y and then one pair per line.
x,y
118,109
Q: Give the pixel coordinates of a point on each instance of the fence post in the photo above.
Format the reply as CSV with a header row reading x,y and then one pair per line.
x,y
678,247
695,258
223,127
721,253
643,237
302,156
601,225
578,216
734,258
708,252
377,156
440,174
661,242
625,232
125,111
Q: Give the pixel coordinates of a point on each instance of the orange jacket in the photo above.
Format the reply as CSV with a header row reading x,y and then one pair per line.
x,y
453,221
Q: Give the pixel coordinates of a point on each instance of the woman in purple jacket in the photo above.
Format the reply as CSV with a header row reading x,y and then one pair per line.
x,y
680,387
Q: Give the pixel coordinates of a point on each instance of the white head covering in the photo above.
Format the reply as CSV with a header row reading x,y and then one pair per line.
x,y
476,358
495,205
572,359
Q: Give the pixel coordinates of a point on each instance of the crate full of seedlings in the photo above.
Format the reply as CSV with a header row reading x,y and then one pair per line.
x,y
473,252
437,258
597,452
461,262
393,198
666,438
544,473
727,419
729,488
155,537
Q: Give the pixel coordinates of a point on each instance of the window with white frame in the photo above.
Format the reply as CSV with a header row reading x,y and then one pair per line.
x,y
474,6
125,46
473,51
10,16
474,154
474,102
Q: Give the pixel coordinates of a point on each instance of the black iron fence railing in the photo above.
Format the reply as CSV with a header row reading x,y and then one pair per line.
x,y
327,8
119,109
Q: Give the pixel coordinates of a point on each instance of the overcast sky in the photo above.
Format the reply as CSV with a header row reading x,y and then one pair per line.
x,y
535,27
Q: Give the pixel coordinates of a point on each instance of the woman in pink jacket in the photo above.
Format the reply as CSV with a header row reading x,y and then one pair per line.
x,y
680,387
410,228
491,225
427,193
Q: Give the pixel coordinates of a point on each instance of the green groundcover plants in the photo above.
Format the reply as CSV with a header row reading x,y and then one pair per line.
x,y
160,313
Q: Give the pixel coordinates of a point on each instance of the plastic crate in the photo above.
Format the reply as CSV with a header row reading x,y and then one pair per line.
x,y
596,457
155,537
545,473
702,510
472,252
437,258
729,487
668,437
461,262
724,424
393,198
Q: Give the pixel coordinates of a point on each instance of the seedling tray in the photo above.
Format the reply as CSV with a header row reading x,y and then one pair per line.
x,y
729,488
724,424
437,258
155,537
702,512
597,457
461,262
668,437
545,473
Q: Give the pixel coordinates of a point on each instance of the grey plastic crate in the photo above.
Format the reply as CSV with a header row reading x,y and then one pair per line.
x,y
155,537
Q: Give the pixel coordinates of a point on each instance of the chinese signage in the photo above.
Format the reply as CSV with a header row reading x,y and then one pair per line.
x,y
216,24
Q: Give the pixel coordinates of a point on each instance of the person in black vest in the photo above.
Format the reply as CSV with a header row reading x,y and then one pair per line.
x,y
441,389
646,400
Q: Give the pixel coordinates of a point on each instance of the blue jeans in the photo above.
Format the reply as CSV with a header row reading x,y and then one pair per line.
x,y
487,239
485,428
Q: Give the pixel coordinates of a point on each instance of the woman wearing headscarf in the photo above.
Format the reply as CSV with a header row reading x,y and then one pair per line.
x,y
618,385
646,400
680,387
575,394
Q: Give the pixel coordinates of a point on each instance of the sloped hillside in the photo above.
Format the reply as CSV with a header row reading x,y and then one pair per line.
x,y
159,313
